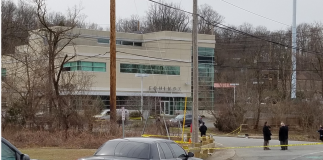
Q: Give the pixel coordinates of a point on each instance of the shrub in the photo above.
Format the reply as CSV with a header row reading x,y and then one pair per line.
x,y
135,114
229,118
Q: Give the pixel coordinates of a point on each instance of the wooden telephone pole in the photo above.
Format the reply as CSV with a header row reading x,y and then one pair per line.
x,y
195,124
113,107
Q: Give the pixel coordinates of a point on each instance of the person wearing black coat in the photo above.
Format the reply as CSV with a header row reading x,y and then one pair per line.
x,y
203,129
321,133
283,136
267,136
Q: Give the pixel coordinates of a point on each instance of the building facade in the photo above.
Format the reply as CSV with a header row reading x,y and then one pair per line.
x,y
164,57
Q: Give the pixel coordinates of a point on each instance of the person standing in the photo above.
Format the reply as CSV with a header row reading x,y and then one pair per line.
x,y
283,133
286,136
203,129
267,136
321,133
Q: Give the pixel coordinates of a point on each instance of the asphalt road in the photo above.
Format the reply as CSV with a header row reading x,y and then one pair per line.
x,y
309,152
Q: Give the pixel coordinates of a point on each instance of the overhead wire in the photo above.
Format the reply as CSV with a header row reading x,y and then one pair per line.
x,y
255,13
225,27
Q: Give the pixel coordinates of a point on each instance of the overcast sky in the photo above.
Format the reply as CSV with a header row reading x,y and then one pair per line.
x,y
308,11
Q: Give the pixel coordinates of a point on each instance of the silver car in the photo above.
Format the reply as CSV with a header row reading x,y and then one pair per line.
x,y
141,148
105,114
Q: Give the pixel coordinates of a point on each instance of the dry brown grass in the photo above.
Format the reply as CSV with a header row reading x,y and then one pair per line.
x,y
86,140
57,153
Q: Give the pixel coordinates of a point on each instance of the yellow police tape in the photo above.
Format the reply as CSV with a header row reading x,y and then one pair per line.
x,y
239,128
290,145
148,135
179,142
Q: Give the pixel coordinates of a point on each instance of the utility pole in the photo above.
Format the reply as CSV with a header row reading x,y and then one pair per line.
x,y
294,45
113,107
195,125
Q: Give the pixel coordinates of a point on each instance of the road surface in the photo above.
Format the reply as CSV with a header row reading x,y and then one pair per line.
x,y
309,152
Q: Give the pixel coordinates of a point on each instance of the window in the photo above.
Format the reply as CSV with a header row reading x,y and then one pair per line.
x,y
128,43
137,43
154,151
103,40
177,150
85,66
149,69
7,153
3,72
119,42
107,149
125,149
166,151
132,150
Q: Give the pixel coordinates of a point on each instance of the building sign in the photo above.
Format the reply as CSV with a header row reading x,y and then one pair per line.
x,y
164,89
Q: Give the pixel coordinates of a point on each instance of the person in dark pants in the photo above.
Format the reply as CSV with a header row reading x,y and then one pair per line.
x,y
203,129
267,135
283,136
321,133
286,136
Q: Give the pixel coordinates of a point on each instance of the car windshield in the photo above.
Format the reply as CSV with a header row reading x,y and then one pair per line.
x,y
179,117
104,112
124,149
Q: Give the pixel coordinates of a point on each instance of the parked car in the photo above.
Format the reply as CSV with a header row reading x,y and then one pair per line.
x,y
140,148
188,120
10,152
105,114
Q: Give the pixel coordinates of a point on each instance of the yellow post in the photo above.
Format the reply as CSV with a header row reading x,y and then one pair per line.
x,y
184,119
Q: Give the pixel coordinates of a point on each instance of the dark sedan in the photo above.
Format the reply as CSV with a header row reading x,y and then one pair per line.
x,y
188,120
140,148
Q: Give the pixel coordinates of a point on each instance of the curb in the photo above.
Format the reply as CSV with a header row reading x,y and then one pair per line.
x,y
222,154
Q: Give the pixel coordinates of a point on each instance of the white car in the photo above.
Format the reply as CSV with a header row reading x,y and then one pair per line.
x,y
105,114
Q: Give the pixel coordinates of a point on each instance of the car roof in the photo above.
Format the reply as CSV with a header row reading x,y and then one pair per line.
x,y
144,140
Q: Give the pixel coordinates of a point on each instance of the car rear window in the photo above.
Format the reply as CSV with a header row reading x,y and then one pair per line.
x,y
107,149
125,149
166,150
178,151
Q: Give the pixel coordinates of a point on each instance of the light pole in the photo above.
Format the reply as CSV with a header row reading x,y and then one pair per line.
x,y
234,91
141,102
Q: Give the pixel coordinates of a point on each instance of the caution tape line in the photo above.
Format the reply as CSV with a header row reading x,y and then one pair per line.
x,y
290,145
234,131
148,135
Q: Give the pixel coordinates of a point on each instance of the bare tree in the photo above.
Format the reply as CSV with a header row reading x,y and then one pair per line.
x,y
210,18
316,45
16,21
129,24
162,18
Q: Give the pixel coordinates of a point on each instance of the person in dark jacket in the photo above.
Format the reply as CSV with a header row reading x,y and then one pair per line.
x,y
321,133
267,135
283,136
203,129
286,136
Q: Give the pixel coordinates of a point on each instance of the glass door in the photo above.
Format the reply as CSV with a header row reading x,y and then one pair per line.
x,y
165,107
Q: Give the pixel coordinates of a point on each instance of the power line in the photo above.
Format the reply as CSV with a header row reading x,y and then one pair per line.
x,y
256,14
225,27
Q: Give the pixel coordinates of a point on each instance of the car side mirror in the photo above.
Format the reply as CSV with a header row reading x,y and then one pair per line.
x,y
190,154
25,157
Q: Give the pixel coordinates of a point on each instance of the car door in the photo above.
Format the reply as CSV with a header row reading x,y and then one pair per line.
x,y
188,119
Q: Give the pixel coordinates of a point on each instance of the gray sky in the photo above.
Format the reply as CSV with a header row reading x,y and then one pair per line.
x,y
308,11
